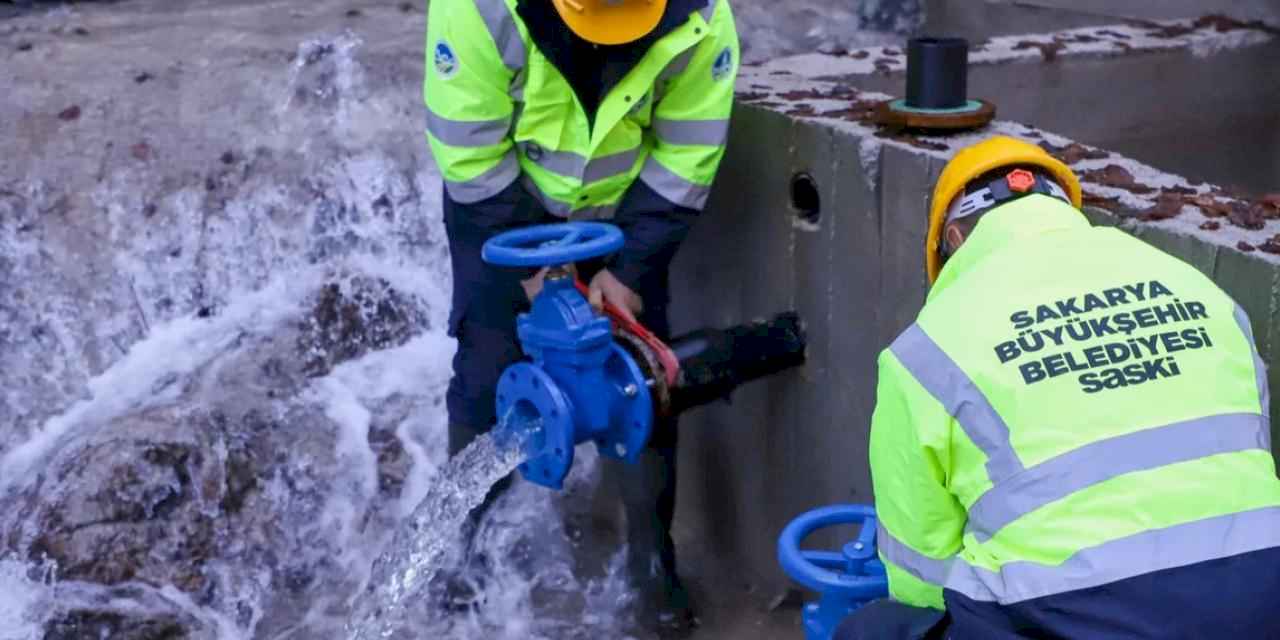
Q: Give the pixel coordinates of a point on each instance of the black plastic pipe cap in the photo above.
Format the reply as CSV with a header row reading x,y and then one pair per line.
x,y
937,73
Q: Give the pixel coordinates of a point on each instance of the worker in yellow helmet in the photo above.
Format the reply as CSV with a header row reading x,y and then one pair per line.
x,y
545,110
1072,440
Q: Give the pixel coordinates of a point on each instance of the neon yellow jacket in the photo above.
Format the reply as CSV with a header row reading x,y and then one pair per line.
x,y
1072,408
498,111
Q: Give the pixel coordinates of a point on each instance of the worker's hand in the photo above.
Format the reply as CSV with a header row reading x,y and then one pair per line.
x,y
533,286
606,288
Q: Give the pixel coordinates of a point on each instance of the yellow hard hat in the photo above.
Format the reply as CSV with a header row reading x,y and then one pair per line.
x,y
611,21
973,161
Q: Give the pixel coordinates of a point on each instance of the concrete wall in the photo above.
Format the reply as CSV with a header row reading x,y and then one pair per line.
x,y
799,440
981,19
1211,118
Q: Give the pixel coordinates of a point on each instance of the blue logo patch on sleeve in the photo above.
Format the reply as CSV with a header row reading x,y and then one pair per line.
x,y
723,65
446,62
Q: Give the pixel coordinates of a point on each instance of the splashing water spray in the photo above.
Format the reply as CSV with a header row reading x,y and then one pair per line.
x,y
588,377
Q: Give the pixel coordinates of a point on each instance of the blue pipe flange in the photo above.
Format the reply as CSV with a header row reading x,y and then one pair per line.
x,y
847,579
550,245
631,422
532,407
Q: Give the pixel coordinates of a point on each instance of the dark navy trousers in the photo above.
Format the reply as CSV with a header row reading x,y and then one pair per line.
x,y
1235,598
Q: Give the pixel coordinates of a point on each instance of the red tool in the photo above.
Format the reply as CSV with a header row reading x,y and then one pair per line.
x,y
666,357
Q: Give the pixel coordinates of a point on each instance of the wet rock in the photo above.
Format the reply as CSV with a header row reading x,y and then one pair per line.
x,y
24,46
1223,24
1247,216
1074,152
227,157
906,138
859,111
1048,50
354,13
1211,206
84,625
861,55
1210,225
80,31
140,151
1271,204
346,324
1272,244
406,7
70,113
143,77
1245,246
382,207
1102,202
1168,205
1114,175
121,486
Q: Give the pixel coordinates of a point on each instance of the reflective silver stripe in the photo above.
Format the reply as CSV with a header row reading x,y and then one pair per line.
x,y
564,163
516,90
1097,462
708,11
673,69
460,133
487,184
506,35
610,165
949,385
565,210
712,133
1138,554
678,65
578,167
1259,370
931,570
673,187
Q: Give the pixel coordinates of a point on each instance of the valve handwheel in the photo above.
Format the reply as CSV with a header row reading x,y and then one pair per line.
x,y
551,245
853,572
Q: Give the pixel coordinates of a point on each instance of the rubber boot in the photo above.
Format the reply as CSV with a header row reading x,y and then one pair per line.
x,y
648,494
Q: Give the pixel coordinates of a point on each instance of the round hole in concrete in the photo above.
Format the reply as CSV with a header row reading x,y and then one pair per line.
x,y
805,200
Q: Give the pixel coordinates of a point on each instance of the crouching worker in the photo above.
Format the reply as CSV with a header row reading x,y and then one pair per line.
x,y
545,110
1072,441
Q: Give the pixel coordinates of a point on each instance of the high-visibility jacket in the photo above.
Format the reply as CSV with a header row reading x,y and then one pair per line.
x,y
498,111
1072,408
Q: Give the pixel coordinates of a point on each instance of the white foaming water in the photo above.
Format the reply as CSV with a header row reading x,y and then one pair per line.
x,y
214,290
19,595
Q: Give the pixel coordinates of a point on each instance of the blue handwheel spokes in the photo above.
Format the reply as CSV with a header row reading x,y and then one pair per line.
x,y
551,245
850,572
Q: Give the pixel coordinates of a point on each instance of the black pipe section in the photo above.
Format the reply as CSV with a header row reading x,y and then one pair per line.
x,y
714,362
937,73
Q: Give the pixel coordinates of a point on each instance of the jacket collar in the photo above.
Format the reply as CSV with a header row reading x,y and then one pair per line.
x,y
1004,226
549,33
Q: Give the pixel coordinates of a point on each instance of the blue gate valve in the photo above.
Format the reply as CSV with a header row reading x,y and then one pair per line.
x,y
587,379
578,384
846,580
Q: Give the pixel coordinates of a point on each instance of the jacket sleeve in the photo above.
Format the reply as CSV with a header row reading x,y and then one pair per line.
x,y
469,72
688,134
654,229
920,522
691,115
